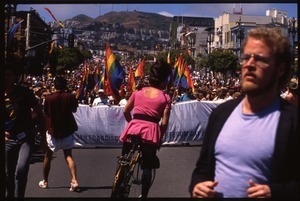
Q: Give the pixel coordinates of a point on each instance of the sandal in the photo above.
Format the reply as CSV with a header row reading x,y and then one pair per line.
x,y
43,184
74,187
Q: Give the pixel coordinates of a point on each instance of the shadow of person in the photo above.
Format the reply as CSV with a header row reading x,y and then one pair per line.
x,y
83,188
86,188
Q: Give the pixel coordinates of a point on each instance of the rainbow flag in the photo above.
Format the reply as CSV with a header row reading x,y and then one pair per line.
x,y
139,72
12,31
171,77
179,65
185,80
178,70
51,47
98,79
115,73
131,81
169,58
83,84
49,11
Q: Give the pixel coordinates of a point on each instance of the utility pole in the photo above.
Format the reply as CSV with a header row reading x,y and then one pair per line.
x,y
9,12
28,31
240,35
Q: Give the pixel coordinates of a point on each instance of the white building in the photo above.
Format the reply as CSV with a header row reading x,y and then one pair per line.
x,y
231,29
224,24
277,15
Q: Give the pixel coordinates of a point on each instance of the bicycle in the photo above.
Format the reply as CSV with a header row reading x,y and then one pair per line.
x,y
126,166
124,177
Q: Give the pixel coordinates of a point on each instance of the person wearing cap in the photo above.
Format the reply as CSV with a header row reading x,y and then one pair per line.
x,y
100,98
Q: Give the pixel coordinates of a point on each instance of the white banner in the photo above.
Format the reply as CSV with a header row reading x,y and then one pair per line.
x,y
102,125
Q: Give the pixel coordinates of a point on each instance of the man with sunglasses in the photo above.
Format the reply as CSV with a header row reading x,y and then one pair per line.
x,y
251,144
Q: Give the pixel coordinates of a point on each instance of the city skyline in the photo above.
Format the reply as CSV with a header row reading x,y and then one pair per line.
x,y
67,11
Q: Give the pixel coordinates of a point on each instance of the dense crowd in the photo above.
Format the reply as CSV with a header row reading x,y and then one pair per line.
x,y
207,87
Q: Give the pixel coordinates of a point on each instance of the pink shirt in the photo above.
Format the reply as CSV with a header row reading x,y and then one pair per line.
x,y
154,107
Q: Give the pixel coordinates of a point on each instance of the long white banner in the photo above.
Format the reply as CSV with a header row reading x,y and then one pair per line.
x,y
102,125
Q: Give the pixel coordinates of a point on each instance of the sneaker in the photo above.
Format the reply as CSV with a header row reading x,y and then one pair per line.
x,y
74,187
43,184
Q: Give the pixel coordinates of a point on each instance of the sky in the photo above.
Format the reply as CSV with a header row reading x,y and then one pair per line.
x,y
66,11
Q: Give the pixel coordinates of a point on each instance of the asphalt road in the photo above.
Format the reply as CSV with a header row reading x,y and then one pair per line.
x,y
96,168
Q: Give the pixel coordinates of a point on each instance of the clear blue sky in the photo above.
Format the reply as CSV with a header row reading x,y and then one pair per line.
x,y
67,11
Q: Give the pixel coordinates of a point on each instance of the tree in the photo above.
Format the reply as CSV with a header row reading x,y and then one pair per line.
x,y
69,58
204,63
71,40
174,54
222,61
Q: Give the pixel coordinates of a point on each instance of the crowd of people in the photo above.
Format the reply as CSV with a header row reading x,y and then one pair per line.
x,y
206,88
258,97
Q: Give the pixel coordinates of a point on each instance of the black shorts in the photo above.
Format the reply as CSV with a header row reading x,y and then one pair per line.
x,y
149,157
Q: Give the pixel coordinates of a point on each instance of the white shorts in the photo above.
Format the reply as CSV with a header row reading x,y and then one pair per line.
x,y
57,144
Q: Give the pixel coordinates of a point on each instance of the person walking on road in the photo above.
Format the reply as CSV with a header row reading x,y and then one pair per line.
x,y
150,105
20,102
59,108
251,144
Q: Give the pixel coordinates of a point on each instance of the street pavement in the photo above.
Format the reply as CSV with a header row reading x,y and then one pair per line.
x,y
96,168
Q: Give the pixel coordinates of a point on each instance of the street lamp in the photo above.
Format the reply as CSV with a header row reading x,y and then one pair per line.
x,y
292,32
292,29
240,34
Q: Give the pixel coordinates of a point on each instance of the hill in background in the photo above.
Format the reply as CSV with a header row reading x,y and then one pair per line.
x,y
130,19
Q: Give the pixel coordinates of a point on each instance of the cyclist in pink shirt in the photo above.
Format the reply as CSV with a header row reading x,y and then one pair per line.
x,y
150,108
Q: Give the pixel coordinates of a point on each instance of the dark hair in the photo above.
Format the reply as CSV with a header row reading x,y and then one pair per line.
x,y
60,83
159,73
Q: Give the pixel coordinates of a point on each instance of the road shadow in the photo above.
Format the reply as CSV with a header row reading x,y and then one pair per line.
x,y
86,188
82,188
38,157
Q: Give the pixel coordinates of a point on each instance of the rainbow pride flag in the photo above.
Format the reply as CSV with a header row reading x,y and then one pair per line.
x,y
131,81
181,74
84,82
186,79
139,72
115,73
99,79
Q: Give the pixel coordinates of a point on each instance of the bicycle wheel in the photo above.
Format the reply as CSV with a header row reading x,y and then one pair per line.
x,y
126,165
119,185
